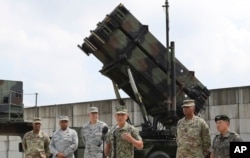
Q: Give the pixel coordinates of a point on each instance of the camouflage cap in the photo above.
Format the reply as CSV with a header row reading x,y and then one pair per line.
x,y
221,117
188,103
93,109
121,109
63,118
37,120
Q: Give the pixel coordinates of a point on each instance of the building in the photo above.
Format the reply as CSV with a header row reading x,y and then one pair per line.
x,y
234,102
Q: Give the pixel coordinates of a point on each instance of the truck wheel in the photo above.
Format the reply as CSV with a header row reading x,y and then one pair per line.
x,y
158,154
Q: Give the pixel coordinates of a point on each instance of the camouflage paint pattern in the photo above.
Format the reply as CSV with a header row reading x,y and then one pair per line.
x,y
121,41
11,95
11,109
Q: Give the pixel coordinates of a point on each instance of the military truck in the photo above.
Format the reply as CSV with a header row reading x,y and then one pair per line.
x,y
11,110
136,62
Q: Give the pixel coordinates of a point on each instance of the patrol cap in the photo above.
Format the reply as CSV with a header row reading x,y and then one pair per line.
x,y
121,109
221,117
188,103
93,109
37,120
63,118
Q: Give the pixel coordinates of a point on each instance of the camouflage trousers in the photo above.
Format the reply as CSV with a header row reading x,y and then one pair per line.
x,y
35,156
194,153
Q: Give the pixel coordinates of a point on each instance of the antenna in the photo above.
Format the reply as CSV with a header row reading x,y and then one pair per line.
x,y
170,50
167,23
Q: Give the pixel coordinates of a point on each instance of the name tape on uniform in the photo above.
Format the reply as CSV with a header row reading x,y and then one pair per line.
x,y
239,149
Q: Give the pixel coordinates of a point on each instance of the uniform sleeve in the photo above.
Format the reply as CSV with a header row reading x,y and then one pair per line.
x,y
205,136
24,143
212,146
177,137
52,147
72,148
237,138
135,134
108,137
82,136
46,145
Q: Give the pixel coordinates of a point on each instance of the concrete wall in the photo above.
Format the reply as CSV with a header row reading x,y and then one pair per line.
x,y
9,147
234,102
77,113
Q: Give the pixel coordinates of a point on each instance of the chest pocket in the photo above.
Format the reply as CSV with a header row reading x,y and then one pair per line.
x,y
194,133
195,130
98,135
68,138
56,138
36,142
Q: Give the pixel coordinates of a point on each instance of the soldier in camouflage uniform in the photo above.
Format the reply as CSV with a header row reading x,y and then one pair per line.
x,y
64,141
122,137
193,135
92,135
221,142
36,142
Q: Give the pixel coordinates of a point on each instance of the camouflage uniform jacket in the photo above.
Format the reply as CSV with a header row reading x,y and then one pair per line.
x,y
65,142
193,138
221,144
119,147
36,145
92,139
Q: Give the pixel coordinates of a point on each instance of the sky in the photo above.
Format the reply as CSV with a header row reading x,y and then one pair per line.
x,y
38,44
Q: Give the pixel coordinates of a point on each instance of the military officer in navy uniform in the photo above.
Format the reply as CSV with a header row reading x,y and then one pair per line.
x,y
122,137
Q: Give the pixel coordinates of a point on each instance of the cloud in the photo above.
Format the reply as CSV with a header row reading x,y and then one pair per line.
x,y
38,44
